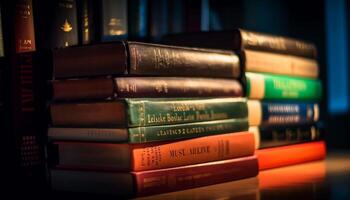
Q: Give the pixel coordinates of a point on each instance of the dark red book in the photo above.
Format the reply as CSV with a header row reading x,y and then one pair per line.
x,y
154,181
138,87
290,154
22,123
143,59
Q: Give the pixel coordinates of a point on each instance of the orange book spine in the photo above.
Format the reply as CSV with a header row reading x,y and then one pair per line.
x,y
290,155
199,150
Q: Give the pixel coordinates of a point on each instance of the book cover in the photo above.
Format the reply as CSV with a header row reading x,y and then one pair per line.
x,y
150,133
24,123
87,16
268,137
264,62
141,157
114,20
24,26
240,39
138,87
278,87
138,19
59,27
290,155
146,112
271,113
135,58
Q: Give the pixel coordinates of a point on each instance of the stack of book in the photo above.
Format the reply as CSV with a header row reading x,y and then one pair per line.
x,y
133,118
283,91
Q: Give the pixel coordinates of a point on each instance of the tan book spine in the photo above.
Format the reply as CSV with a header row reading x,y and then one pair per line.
x,y
264,62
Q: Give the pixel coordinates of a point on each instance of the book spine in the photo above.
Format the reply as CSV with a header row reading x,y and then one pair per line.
x,y
161,60
85,61
138,19
27,122
173,179
137,87
86,21
177,87
290,155
65,28
188,130
149,134
273,137
161,112
24,26
114,20
272,114
26,119
280,64
273,87
264,42
59,26
194,151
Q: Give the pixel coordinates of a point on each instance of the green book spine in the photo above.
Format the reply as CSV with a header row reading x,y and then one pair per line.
x,y
270,87
143,112
189,130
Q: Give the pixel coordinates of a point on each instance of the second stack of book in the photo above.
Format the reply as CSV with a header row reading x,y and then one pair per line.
x,y
283,91
132,118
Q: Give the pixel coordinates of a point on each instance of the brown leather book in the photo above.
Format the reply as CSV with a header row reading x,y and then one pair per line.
x,y
138,87
143,59
240,39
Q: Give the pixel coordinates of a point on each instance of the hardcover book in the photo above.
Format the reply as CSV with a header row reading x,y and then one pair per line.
x,y
138,87
278,87
270,113
150,133
141,157
265,62
59,27
290,154
114,19
138,19
87,24
24,120
154,181
134,58
146,112
24,26
281,136
240,39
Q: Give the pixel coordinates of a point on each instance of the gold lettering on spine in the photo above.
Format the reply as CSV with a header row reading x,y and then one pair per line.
x,y
24,28
253,39
135,58
141,111
86,23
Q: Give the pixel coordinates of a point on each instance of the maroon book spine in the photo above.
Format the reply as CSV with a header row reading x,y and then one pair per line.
x,y
142,59
24,26
177,87
136,87
180,178
26,128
